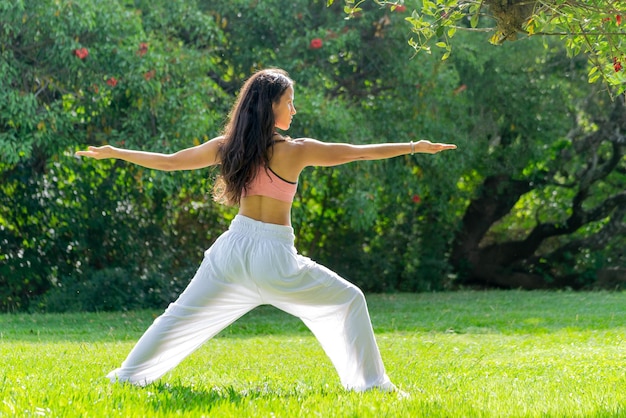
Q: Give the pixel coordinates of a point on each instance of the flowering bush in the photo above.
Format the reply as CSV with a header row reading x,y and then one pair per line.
x,y
59,90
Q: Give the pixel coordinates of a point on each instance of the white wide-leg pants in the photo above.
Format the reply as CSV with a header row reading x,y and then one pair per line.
x,y
251,264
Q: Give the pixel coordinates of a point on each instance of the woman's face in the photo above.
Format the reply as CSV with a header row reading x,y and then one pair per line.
x,y
284,110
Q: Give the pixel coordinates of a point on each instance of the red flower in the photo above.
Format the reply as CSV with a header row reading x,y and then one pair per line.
x,y
143,49
149,75
401,8
316,43
112,81
618,19
416,198
81,53
617,65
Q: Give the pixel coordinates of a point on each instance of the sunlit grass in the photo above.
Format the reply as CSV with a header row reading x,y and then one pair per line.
x,y
468,354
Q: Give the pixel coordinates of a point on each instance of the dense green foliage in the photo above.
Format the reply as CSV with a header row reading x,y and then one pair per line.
x,y
160,76
101,72
474,354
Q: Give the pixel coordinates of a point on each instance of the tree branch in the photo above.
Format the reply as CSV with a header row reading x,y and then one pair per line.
x,y
615,226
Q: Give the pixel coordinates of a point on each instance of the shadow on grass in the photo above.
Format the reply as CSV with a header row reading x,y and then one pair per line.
x,y
500,312
174,398
129,326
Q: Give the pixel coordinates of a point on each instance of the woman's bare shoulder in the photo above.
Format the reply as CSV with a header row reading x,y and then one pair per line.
x,y
297,147
289,156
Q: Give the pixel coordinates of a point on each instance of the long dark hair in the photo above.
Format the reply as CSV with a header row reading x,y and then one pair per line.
x,y
248,136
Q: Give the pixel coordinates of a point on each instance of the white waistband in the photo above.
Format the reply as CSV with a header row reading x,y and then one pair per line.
x,y
250,226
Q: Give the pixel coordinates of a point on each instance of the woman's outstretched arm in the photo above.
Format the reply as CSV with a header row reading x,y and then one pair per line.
x,y
317,153
203,155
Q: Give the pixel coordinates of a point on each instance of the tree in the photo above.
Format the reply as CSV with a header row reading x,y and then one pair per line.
x,y
549,204
536,220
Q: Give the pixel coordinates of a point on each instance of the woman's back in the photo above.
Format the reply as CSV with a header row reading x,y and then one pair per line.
x,y
283,165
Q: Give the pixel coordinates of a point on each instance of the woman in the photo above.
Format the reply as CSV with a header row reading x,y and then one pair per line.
x,y
255,261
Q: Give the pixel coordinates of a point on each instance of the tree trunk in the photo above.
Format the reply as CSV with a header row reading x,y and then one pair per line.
x,y
516,263
496,199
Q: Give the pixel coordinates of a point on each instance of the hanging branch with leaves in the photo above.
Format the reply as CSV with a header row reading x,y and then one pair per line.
x,y
592,27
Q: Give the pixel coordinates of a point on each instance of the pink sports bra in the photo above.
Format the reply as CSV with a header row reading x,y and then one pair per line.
x,y
267,183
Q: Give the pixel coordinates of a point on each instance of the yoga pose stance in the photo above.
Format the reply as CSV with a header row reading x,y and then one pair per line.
x,y
255,261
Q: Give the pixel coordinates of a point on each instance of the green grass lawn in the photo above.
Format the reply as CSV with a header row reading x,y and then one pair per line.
x,y
465,354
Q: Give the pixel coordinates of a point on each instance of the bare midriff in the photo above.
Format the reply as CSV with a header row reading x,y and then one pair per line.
x,y
266,209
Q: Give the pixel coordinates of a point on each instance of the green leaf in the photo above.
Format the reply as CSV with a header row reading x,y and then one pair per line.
x,y
474,20
427,4
595,77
